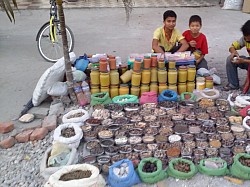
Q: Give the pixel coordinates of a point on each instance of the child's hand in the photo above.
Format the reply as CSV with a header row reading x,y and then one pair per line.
x,y
234,54
239,61
192,43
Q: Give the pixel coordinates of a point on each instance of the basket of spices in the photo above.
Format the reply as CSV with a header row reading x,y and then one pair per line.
x,y
206,102
92,144
237,128
105,134
90,135
215,143
90,159
166,123
111,151
135,132
165,131
213,167
191,144
107,122
201,137
107,142
159,154
120,120
164,118
121,140
199,154
161,139
190,117
86,128
177,117
173,152
126,149
93,122
149,106
180,129
103,159
117,114
139,147
221,121
211,152
114,127
132,156
167,105
241,136
174,138
141,125
216,115
131,113
187,137
163,146
114,107
148,139
152,147
145,154
202,116
117,158
135,139
101,114
97,151
150,118
227,140
131,106
212,109
194,128
155,124
159,112
208,127
238,149
186,151
223,129
136,118
151,131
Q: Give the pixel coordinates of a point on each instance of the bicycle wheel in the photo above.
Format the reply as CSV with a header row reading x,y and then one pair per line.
x,y
53,51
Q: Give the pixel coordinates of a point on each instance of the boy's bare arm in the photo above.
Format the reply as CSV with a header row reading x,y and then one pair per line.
x,y
156,47
199,59
184,45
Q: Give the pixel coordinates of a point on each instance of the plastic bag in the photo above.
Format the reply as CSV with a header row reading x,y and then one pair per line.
x,y
73,141
95,99
78,75
46,171
58,89
82,62
59,155
172,96
185,96
123,99
213,172
68,119
238,170
244,122
203,72
153,177
148,97
181,175
130,180
233,4
206,93
95,180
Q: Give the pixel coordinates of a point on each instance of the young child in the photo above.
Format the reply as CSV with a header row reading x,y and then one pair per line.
x,y
166,37
197,41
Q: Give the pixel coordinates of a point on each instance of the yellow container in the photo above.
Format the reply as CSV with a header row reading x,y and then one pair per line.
x,y
126,77
190,86
182,87
144,88
124,89
209,82
191,73
154,75
200,83
162,86
136,78
146,76
114,77
114,91
104,79
135,90
153,87
172,87
172,76
161,63
94,89
124,68
95,76
171,64
104,89
182,74
162,75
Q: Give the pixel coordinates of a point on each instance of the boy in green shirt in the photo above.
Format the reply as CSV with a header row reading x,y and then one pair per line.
x,y
165,38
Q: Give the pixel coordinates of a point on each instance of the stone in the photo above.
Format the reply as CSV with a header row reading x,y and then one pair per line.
x,y
7,143
50,122
39,112
24,136
56,109
38,134
26,118
6,127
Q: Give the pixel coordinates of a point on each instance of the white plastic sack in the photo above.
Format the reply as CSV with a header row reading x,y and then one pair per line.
x,y
76,119
233,4
58,89
73,141
78,75
46,172
52,75
204,94
203,72
241,101
95,180
245,124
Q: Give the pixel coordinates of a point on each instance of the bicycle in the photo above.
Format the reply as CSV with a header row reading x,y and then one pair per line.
x,y
49,38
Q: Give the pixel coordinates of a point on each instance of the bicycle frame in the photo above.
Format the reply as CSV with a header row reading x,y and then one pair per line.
x,y
53,19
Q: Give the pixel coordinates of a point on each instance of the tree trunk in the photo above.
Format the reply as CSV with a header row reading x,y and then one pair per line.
x,y
69,75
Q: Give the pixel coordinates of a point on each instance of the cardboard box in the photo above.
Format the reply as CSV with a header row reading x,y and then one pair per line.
x,y
246,6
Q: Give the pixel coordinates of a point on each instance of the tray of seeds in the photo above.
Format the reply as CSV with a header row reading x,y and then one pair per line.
x,y
211,152
148,105
215,143
165,131
163,146
92,144
150,118
121,140
155,124
212,109
208,127
191,144
107,142
132,156
223,129
140,125
237,128
125,149
131,113
202,116
201,137
241,136
220,102
135,132
103,159
221,121
201,144
145,154
151,131
105,134
216,115
136,118
135,139
190,117
112,150
90,159
131,106
107,122
117,114
164,118
160,154
167,123
139,147
114,107
86,128
114,127
159,112
161,138
176,117
174,138
187,137
180,129
152,147
121,132
238,149
186,151
148,139
173,152
206,102
146,112
93,122
97,151
120,120
167,105
117,158
90,135
101,114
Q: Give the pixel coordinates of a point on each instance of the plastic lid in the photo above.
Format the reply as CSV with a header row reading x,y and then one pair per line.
x,y
138,59
153,55
183,67
146,56
209,78
192,66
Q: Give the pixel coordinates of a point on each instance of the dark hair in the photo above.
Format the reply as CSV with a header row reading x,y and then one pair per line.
x,y
195,18
246,28
169,13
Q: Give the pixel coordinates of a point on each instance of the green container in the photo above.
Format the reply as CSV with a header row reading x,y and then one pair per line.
x,y
213,172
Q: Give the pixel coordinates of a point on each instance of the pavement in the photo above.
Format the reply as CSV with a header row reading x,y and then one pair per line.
x,y
38,4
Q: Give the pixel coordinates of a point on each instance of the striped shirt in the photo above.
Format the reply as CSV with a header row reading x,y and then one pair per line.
x,y
239,44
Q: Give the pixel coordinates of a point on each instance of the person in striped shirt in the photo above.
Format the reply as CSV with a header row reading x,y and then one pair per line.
x,y
234,60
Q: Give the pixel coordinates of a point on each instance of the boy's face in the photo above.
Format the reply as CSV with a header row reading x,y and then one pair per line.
x,y
195,27
170,23
247,39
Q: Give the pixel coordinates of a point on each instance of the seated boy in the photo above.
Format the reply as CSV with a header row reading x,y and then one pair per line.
x,y
197,41
165,38
240,61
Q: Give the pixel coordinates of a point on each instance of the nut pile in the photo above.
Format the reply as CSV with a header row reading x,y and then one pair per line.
x,y
245,161
182,166
149,167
